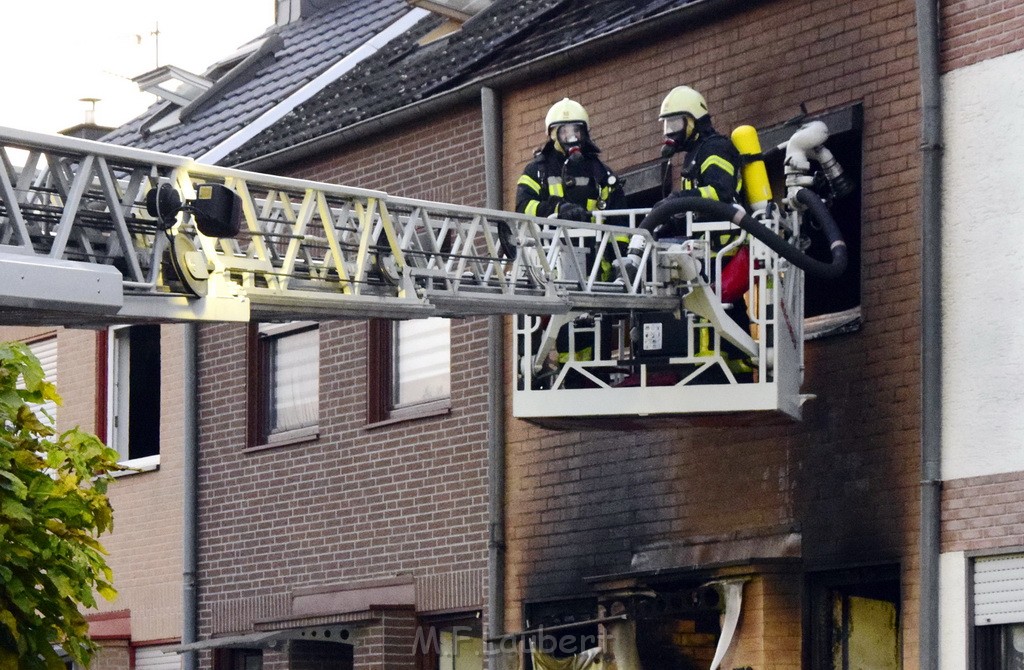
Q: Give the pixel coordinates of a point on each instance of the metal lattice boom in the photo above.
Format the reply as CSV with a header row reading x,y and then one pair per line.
x,y
77,245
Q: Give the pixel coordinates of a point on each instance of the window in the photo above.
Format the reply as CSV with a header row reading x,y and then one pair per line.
x,y
238,659
45,349
571,620
284,370
409,368
450,644
854,619
997,586
831,306
999,647
133,393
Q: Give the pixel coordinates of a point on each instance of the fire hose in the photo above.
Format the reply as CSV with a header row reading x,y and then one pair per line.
x,y
720,211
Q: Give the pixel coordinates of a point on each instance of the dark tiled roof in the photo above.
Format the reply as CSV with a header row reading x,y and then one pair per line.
x,y
577,22
508,34
310,46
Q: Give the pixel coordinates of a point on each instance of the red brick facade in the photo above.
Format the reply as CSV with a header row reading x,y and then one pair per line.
x,y
582,503
976,30
360,503
981,513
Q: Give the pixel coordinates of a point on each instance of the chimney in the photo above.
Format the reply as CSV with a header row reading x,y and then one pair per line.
x,y
90,113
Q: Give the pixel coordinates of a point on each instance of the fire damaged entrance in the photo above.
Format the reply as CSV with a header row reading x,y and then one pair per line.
x,y
854,619
685,622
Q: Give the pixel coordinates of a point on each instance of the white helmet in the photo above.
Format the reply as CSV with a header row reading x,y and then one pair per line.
x,y
683,100
566,111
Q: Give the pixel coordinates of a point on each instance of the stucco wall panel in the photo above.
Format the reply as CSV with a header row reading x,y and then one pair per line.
x,y
982,200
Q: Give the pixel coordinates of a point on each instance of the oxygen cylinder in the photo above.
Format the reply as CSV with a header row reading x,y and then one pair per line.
x,y
755,177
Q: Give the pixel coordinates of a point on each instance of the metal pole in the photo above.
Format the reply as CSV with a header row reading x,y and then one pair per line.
x,y
190,493
491,113
931,329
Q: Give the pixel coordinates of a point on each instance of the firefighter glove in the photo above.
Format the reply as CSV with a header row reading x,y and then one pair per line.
x,y
627,267
570,211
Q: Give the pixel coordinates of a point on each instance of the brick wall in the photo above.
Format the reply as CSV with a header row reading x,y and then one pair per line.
x,y
114,655
145,545
982,513
847,476
406,498
976,30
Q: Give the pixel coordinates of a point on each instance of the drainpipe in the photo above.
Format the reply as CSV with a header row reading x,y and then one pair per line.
x,y
490,107
190,492
931,328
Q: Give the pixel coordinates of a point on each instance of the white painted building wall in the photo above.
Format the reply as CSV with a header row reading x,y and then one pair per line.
x,y
983,269
953,611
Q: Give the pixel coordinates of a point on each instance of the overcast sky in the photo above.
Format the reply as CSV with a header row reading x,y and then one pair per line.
x,y
58,51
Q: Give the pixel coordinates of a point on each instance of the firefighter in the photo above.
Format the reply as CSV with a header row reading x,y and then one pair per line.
x,y
567,180
712,166
711,169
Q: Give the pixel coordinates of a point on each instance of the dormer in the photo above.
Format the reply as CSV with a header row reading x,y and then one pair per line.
x,y
183,94
456,13
459,11
174,84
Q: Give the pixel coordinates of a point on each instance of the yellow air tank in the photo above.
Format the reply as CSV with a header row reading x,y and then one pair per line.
x,y
755,176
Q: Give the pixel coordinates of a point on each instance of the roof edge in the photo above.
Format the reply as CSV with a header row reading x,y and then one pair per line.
x,y
543,65
332,73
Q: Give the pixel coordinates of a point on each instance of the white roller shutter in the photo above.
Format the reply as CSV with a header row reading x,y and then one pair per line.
x,y
422,360
154,659
46,352
999,590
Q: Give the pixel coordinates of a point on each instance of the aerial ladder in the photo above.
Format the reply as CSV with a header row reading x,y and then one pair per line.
x,y
93,234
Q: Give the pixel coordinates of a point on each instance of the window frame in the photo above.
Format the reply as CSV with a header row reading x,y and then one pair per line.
x,y
380,362
818,624
846,141
984,640
111,398
428,642
259,434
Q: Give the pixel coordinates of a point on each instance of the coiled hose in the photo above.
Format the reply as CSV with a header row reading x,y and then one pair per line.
x,y
720,211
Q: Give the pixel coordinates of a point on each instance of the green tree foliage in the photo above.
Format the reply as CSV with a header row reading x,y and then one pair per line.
x,y
53,507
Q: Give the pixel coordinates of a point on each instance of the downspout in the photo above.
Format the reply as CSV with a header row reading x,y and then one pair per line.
x,y
190,493
490,108
931,328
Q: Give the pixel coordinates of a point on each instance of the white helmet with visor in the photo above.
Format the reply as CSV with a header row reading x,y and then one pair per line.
x,y
567,122
680,110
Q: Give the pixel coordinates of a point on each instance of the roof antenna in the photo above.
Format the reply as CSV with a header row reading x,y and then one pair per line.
x,y
156,34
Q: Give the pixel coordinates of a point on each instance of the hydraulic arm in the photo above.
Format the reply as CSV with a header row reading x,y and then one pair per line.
x,y
93,234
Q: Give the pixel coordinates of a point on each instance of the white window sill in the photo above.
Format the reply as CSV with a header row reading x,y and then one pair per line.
x,y
138,466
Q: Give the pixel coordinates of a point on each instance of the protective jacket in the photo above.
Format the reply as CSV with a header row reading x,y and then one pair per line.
x,y
712,169
547,183
549,180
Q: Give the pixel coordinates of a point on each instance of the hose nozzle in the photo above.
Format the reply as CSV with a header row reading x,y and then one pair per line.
x,y
841,184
